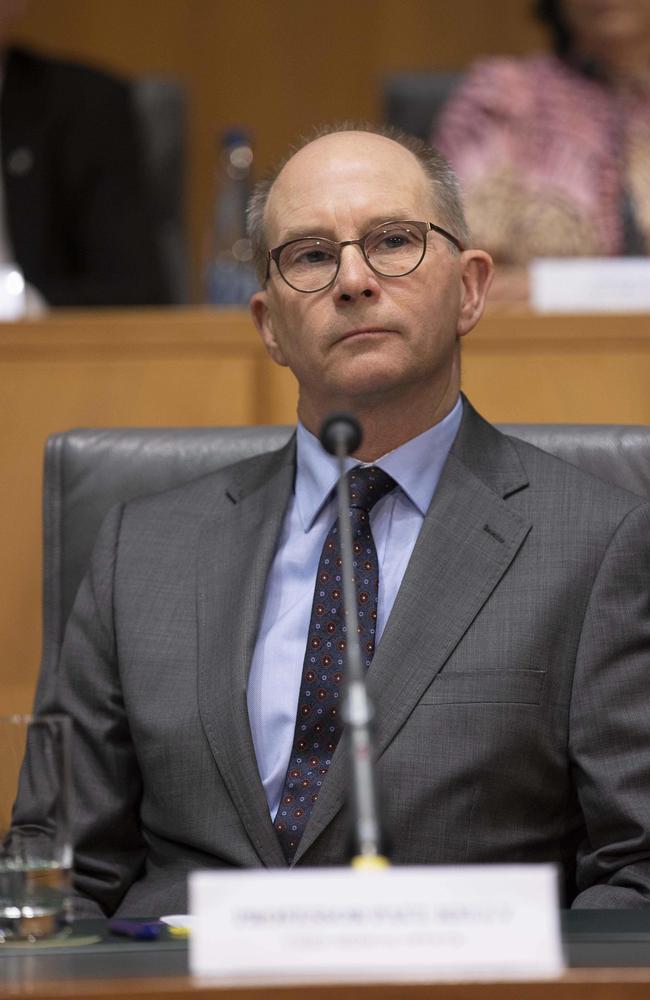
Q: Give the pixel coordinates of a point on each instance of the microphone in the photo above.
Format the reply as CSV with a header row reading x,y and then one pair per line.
x,y
341,435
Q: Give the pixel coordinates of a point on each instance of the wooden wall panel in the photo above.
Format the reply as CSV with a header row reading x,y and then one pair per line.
x,y
559,369
278,66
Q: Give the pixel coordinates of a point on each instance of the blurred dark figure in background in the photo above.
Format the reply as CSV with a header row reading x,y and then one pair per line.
x,y
74,213
553,151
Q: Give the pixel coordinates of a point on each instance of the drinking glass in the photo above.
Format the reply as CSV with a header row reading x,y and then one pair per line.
x,y
35,843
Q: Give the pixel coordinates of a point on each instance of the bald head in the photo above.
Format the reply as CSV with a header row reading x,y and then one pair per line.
x,y
344,152
340,169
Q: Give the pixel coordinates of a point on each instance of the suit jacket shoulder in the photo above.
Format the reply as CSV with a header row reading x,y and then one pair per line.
x,y
207,494
36,73
510,465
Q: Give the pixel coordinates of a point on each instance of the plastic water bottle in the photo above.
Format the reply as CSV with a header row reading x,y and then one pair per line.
x,y
230,277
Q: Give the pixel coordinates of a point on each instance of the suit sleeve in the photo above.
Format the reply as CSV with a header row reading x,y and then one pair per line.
x,y
610,724
109,850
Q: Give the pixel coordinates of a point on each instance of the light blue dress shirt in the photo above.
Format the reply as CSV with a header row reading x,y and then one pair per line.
x,y
276,669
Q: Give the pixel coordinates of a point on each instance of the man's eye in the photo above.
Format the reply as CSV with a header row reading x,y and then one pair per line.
x,y
315,256
392,239
395,241
310,256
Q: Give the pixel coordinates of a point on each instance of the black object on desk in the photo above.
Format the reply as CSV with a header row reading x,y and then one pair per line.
x,y
606,938
137,930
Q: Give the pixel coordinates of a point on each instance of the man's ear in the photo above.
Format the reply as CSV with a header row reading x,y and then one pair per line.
x,y
262,317
477,272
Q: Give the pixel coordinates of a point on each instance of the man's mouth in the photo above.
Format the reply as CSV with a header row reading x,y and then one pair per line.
x,y
363,331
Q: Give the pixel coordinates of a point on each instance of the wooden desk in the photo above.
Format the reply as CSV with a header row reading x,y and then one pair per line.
x,y
200,366
601,984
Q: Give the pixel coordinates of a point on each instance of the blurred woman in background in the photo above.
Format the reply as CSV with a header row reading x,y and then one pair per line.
x,y
553,150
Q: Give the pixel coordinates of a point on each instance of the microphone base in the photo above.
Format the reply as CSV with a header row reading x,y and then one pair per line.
x,y
369,862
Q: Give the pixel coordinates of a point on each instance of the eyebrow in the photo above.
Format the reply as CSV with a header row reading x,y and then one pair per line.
x,y
376,220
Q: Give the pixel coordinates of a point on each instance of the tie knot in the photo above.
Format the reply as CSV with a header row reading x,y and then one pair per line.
x,y
368,484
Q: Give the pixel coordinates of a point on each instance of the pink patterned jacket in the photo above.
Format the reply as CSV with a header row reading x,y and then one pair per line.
x,y
544,154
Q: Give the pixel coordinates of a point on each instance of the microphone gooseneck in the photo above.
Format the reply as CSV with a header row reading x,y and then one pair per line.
x,y
341,435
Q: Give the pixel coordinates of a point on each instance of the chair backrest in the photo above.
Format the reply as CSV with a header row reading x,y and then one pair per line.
x,y
160,105
88,471
413,101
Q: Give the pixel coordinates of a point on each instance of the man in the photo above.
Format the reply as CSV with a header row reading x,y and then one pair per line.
x,y
74,207
512,629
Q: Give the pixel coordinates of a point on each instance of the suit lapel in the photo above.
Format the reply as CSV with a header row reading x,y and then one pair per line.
x,y
236,551
468,539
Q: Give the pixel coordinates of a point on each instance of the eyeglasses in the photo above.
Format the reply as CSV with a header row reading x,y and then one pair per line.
x,y
391,250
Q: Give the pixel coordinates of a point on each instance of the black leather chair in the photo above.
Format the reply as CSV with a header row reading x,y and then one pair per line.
x,y
160,105
414,101
88,471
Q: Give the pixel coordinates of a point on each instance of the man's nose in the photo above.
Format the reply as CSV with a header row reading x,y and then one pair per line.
x,y
355,277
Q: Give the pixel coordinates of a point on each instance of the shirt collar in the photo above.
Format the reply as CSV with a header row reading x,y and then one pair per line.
x,y
415,466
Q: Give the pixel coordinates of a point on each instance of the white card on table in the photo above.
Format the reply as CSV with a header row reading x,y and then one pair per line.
x,y
400,924
590,284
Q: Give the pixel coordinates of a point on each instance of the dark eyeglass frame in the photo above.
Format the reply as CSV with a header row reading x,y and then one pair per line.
x,y
423,227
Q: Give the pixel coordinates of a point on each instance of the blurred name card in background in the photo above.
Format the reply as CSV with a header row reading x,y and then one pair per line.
x,y
400,924
590,284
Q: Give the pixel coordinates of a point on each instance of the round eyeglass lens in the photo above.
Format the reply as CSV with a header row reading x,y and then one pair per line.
x,y
395,248
309,264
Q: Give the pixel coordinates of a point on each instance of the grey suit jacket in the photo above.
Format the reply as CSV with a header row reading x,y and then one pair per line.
x,y
512,683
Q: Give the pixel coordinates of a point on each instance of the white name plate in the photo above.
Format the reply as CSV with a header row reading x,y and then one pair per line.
x,y
590,284
400,924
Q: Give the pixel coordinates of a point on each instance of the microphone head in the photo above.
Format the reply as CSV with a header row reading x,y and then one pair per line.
x,y
340,434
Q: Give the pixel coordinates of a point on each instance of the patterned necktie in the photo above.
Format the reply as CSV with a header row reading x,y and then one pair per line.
x,y
318,721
